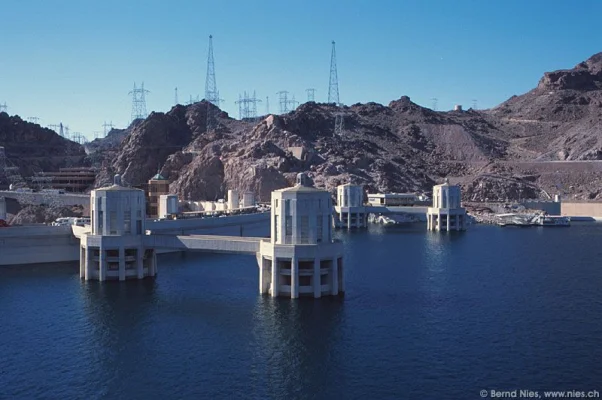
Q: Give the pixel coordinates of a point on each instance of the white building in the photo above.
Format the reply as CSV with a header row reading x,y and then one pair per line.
x,y
350,211
114,249
168,205
248,199
447,213
394,199
301,258
233,200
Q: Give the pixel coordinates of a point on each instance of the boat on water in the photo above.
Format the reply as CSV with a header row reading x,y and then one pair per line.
x,y
392,219
551,220
526,220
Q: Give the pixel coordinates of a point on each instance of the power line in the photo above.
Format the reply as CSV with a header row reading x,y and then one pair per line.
x,y
3,107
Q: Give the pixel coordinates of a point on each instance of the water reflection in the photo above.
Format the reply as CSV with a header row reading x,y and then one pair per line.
x,y
118,315
297,344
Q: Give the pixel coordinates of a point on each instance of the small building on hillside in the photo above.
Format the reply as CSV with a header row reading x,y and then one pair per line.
x,y
157,186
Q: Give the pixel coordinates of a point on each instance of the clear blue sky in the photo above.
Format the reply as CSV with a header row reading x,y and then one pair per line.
x,y
76,60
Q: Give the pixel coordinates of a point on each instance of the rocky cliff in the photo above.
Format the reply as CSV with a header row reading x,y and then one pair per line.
x,y
34,149
508,152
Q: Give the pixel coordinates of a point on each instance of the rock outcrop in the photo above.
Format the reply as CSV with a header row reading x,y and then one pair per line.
x,y
44,214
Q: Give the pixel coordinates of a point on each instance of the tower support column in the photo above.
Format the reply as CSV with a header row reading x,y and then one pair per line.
x,y
294,278
275,278
317,279
334,273
102,265
121,263
140,262
82,262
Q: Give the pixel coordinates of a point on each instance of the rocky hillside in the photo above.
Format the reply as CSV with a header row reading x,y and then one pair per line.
x,y
509,152
561,119
35,149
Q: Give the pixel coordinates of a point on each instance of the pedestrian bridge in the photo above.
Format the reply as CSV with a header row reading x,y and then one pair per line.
x,y
209,243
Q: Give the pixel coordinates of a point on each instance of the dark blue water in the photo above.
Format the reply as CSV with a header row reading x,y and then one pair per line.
x,y
431,316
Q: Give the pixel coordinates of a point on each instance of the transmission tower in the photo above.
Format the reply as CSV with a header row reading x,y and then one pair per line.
x,y
97,134
3,107
66,132
176,97
339,122
33,120
333,84
54,127
285,102
311,94
77,137
138,102
434,100
267,105
474,104
107,127
247,106
211,92
193,100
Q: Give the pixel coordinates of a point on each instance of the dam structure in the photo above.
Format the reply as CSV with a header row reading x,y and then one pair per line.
x,y
299,259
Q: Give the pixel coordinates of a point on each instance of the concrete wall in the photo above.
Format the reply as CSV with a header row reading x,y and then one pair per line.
x,y
582,209
48,244
551,207
37,244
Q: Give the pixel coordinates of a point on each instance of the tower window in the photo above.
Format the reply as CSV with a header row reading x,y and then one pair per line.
x,y
112,223
319,228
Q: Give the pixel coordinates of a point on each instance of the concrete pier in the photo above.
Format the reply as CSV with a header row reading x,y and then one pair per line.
x,y
301,259
350,211
446,214
114,248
